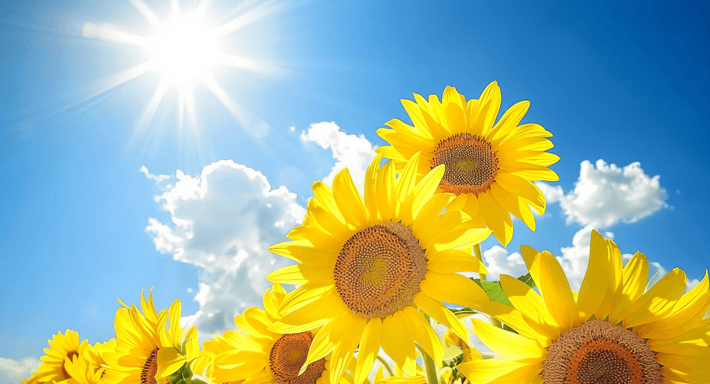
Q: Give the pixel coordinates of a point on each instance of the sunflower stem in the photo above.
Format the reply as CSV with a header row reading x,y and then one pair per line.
x,y
384,364
477,251
429,365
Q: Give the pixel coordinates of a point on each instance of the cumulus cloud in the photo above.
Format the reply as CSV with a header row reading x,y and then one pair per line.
x,y
351,151
605,194
498,261
157,178
12,371
574,261
223,222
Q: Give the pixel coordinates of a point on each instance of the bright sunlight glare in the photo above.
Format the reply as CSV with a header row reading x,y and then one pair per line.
x,y
184,51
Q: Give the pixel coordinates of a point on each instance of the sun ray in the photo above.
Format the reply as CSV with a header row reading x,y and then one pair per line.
x,y
175,8
112,82
109,33
246,18
213,86
183,51
147,13
158,96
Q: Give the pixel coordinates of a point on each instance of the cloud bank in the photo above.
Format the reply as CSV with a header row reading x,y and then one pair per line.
x,y
223,222
605,195
12,371
351,151
574,261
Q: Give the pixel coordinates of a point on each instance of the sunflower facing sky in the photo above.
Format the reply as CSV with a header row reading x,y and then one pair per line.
x,y
63,349
147,352
259,356
611,331
489,166
366,267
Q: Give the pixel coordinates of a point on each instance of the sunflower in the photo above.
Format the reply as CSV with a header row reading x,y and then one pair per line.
x,y
488,166
259,356
82,371
365,267
62,348
611,331
147,353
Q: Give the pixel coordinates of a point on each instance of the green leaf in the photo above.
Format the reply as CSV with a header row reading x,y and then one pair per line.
x,y
464,311
527,279
494,291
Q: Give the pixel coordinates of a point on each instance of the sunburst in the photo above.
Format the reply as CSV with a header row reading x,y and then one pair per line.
x,y
184,50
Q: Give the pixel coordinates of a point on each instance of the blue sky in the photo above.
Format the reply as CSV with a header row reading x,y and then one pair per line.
x,y
624,83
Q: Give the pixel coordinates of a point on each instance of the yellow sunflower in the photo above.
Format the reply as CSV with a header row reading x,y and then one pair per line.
x,y
259,356
366,267
82,371
488,166
62,348
611,331
147,353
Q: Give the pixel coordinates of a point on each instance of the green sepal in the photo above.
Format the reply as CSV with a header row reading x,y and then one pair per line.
x,y
495,292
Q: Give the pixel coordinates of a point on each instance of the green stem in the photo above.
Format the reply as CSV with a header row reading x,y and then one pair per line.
x,y
384,364
477,251
429,365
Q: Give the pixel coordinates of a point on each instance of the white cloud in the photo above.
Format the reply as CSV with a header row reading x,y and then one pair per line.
x,y
157,178
223,222
354,152
606,194
12,371
498,261
574,261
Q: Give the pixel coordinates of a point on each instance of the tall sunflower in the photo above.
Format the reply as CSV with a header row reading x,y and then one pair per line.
x,y
259,356
365,267
62,348
488,166
147,353
611,331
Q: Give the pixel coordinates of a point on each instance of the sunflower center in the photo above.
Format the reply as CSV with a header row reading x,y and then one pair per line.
x,y
150,368
379,269
471,164
70,355
597,352
287,357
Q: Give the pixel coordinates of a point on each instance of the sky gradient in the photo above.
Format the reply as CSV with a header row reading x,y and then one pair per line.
x,y
81,224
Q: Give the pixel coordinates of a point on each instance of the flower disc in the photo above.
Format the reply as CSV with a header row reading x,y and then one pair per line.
x,y
150,368
471,164
287,357
378,270
597,352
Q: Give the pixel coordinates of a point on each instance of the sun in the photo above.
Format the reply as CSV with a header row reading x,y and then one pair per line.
x,y
184,50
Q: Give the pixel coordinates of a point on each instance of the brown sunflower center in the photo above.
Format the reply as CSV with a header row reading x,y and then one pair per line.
x,y
70,355
597,352
150,368
470,163
287,357
379,269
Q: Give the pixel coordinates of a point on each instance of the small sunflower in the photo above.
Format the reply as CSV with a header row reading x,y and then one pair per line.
x,y
147,353
366,267
82,371
62,348
488,166
259,356
610,332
